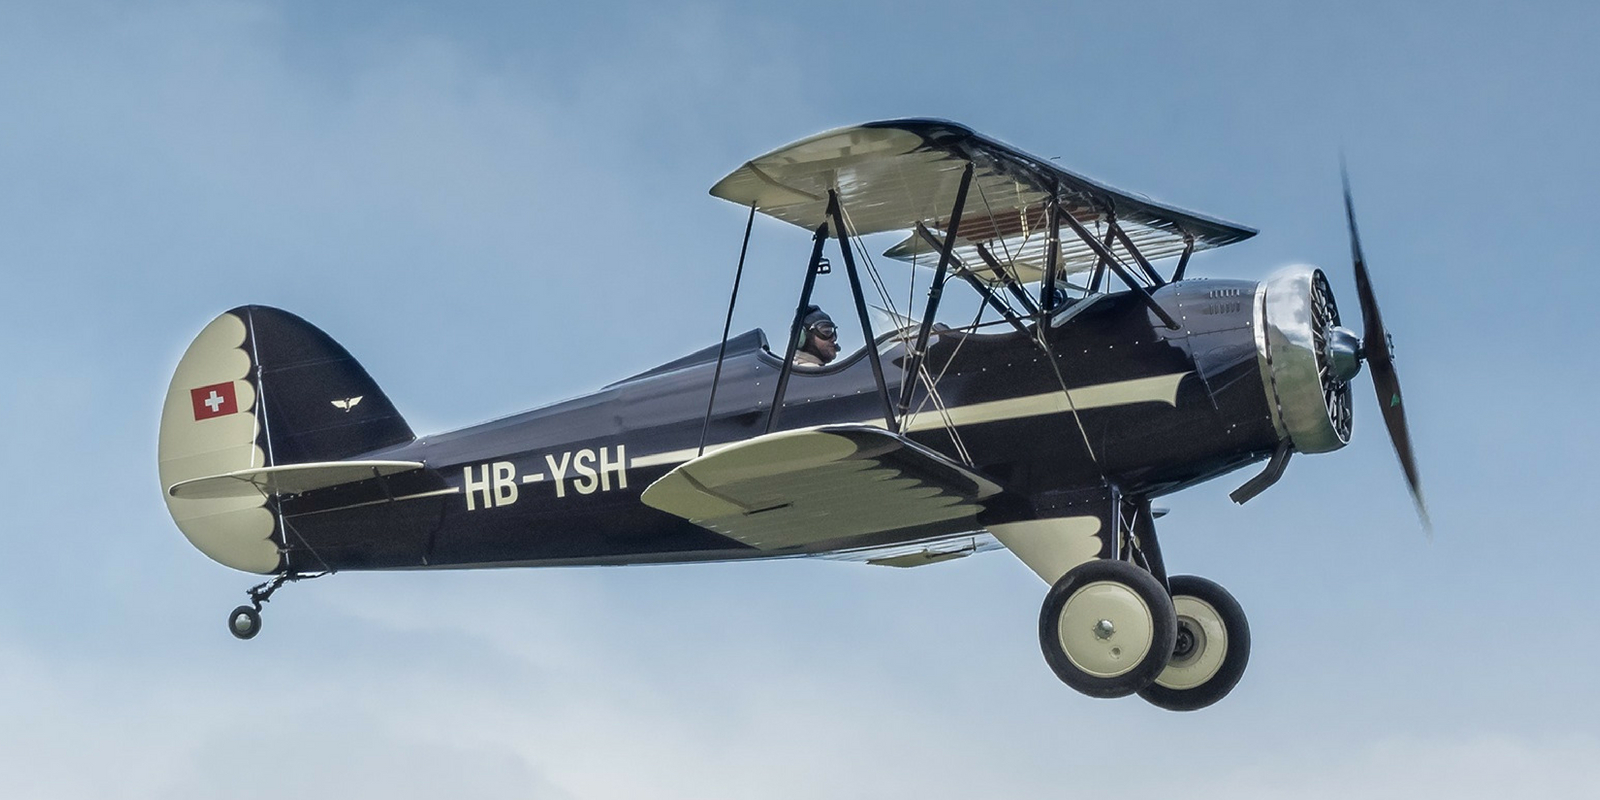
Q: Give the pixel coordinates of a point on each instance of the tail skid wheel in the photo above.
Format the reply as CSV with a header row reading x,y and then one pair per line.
x,y
1107,628
244,622
1212,651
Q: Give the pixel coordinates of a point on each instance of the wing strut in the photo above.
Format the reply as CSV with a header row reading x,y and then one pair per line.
x,y
1144,264
1122,272
1052,253
835,214
1183,262
861,308
935,291
722,350
1011,282
1100,266
979,286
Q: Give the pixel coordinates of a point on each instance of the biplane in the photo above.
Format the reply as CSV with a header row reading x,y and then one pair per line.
x,y
1090,384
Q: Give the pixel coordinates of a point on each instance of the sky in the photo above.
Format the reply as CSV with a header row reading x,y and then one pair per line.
x,y
498,205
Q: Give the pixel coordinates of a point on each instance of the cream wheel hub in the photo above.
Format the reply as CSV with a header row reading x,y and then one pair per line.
x,y
1202,645
1105,628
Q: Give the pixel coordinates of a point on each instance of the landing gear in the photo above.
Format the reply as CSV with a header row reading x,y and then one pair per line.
x,y
1213,647
244,622
1107,628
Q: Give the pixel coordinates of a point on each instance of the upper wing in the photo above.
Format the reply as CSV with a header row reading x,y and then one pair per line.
x,y
792,489
891,175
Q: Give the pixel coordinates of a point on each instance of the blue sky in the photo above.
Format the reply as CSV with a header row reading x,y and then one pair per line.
x,y
497,205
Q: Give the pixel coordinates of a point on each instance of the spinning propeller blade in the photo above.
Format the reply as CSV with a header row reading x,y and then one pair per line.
x,y
1380,358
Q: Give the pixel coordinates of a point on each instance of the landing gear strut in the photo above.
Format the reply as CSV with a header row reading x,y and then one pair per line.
x,y
1118,624
244,622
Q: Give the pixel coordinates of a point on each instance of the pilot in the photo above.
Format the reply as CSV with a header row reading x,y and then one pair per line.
x,y
819,339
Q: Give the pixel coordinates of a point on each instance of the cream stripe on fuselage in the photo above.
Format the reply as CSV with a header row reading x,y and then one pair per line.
x,y
1157,389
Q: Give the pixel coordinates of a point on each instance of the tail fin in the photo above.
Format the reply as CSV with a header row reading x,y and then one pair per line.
x,y
261,387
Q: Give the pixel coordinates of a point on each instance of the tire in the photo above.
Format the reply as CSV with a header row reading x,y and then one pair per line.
x,y
1212,651
1107,628
244,622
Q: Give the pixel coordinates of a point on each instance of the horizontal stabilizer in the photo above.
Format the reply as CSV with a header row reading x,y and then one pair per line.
x,y
287,479
793,489
261,387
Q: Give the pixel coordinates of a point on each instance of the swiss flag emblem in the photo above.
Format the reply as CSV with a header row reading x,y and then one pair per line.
x,y
215,400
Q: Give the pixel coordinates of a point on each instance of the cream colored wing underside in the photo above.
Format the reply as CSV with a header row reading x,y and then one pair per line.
x,y
890,175
789,490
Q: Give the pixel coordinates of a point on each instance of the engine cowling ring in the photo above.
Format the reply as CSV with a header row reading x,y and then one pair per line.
x,y
1295,315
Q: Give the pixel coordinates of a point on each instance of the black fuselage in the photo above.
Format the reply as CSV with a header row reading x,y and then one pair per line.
x,y
1159,410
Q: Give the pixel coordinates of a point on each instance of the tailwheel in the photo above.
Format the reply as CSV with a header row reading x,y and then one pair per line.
x,y
244,622
1107,628
1212,649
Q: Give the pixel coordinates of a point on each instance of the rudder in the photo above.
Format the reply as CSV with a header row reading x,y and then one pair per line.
x,y
262,387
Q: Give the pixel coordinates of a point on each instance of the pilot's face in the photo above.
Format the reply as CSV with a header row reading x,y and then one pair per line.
x,y
826,349
825,341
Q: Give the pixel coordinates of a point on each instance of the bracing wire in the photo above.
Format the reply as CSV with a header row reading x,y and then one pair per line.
x,y
1042,330
872,268
902,335
877,283
1050,356
949,422
288,528
932,384
1005,248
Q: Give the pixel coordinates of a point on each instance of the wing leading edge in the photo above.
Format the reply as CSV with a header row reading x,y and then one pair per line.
x,y
894,174
795,489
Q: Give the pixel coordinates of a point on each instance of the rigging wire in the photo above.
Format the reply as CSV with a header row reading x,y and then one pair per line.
x,y
933,382
288,528
932,385
872,268
1041,329
1050,356
930,381
1005,248
944,416
902,334
879,286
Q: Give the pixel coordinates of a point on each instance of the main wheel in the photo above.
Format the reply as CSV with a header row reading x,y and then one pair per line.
x,y
244,622
1212,650
1107,628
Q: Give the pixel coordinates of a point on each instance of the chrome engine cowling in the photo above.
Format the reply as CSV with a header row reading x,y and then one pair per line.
x,y
1306,359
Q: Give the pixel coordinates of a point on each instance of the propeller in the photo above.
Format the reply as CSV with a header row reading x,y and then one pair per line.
x,y
1380,359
